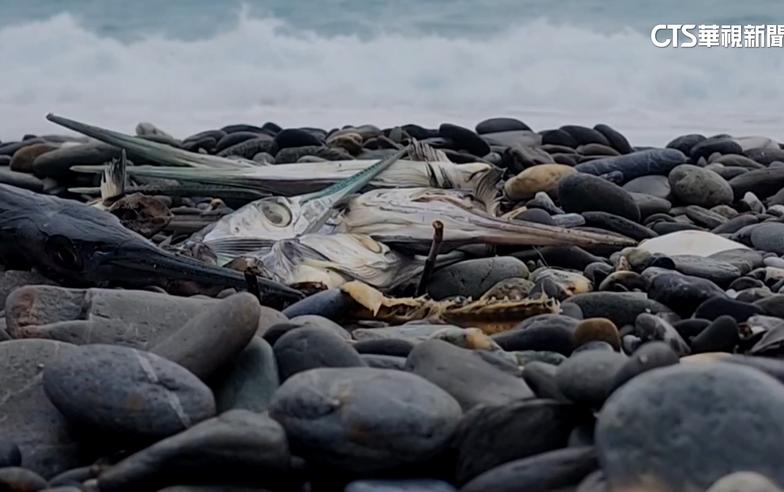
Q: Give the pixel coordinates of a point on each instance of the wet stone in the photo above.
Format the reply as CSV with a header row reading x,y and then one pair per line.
x,y
310,348
250,380
235,448
472,377
472,278
125,392
715,409
363,420
636,164
214,337
331,304
489,436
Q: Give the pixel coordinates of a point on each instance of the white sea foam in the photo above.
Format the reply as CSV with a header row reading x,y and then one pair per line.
x,y
262,70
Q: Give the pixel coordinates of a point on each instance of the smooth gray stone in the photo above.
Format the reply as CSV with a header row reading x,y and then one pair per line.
x,y
745,260
413,332
694,185
305,321
133,318
650,205
237,447
547,472
587,377
586,193
214,337
126,392
768,237
719,272
549,332
471,278
249,382
714,409
620,307
761,182
681,293
650,355
541,378
491,435
11,280
57,163
47,443
470,376
364,420
384,361
658,186
20,180
704,217
311,348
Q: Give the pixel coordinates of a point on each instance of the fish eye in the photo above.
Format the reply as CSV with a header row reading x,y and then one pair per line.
x,y
64,253
277,214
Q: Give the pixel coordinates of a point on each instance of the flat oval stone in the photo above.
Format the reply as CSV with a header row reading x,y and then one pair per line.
x,y
714,144
585,193
621,225
769,237
493,125
551,332
214,337
296,137
719,306
310,348
584,135
616,138
694,185
714,410
648,327
472,377
597,329
723,335
20,180
126,392
57,163
465,139
684,143
761,182
554,470
719,272
237,447
489,436
681,293
364,419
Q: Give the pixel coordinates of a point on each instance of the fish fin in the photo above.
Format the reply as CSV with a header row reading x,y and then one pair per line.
x,y
486,191
226,249
113,179
420,151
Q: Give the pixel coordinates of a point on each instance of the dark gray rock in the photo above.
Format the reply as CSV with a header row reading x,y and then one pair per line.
x,y
384,361
472,377
310,348
621,307
394,347
704,217
650,205
555,470
587,378
364,419
685,143
235,448
412,332
719,272
471,278
47,443
250,380
11,280
648,328
296,137
761,182
723,335
766,155
493,125
9,454
719,306
584,135
722,145
277,330
57,163
20,180
214,337
126,392
464,139
744,259
491,435
331,304
768,237
615,138
682,293
133,318
650,355
585,193
541,378
713,409
551,332
636,164
615,223
694,185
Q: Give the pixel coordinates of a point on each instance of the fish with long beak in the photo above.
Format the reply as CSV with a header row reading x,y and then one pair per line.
x,y
258,225
404,216
72,242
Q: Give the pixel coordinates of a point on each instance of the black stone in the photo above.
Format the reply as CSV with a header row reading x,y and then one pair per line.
x,y
620,307
492,435
390,346
652,328
558,137
650,355
296,137
541,377
584,135
720,306
587,377
681,293
234,138
331,304
583,193
761,182
688,328
465,139
636,164
708,146
494,125
9,454
551,332
615,138
615,223
722,335
685,143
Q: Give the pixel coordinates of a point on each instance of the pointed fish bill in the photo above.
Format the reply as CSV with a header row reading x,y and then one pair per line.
x,y
301,178
152,151
405,216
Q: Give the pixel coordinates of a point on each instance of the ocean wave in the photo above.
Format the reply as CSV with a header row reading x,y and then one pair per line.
x,y
264,70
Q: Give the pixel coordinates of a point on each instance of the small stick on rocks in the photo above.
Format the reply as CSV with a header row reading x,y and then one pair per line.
x,y
435,246
253,284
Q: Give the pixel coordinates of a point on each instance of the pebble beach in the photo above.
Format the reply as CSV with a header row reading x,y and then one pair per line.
x,y
576,314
